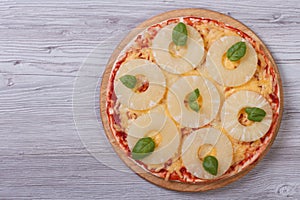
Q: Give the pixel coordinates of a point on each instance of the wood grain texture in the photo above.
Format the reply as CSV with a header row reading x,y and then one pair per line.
x,y
42,46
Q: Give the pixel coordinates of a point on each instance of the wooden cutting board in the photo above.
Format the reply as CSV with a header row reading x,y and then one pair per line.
x,y
213,184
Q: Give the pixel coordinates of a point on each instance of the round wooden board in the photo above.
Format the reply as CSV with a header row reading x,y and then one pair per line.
x,y
187,187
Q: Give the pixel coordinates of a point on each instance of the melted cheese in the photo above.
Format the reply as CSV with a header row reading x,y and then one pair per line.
x,y
174,167
210,33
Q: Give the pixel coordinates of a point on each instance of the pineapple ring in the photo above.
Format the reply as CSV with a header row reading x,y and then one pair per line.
x,y
148,98
206,136
231,109
167,134
180,112
230,77
192,55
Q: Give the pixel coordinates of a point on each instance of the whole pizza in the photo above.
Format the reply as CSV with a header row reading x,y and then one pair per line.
x,y
191,100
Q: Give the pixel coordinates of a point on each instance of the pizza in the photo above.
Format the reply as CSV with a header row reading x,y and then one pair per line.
x,y
192,100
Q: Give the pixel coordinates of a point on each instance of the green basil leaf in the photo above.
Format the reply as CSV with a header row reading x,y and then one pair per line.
x,y
192,100
210,164
179,34
194,106
236,51
194,95
144,147
128,80
255,114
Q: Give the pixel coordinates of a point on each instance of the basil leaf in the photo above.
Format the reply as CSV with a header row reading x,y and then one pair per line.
x,y
194,95
236,51
179,34
192,100
255,114
144,147
210,164
194,106
128,80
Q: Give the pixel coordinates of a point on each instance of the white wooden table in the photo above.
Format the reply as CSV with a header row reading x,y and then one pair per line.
x,y
42,46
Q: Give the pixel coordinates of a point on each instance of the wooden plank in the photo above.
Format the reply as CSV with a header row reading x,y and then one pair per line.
x,y
43,44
